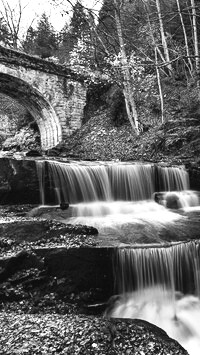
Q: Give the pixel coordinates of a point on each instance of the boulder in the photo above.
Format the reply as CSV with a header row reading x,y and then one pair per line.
x,y
83,268
61,211
170,200
18,182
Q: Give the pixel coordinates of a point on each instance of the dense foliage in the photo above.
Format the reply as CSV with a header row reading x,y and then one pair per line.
x,y
43,40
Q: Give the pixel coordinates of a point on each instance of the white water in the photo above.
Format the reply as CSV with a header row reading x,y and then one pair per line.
x,y
115,198
152,283
120,218
111,181
185,198
131,219
179,318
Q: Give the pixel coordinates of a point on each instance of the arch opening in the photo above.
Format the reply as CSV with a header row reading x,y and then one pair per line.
x,y
38,107
18,129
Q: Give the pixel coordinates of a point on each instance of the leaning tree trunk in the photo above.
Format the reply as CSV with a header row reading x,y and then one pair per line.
x,y
163,38
159,85
128,90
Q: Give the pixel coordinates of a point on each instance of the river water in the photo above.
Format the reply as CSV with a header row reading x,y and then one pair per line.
x,y
156,280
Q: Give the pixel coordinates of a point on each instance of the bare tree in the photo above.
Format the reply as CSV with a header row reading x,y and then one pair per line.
x,y
156,52
128,90
163,38
13,19
196,46
159,84
127,85
185,36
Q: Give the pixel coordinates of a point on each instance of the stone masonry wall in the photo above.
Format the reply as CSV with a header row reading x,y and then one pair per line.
x,y
74,107
8,127
65,97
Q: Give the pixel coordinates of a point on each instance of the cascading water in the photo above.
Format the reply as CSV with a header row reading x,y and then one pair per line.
x,y
117,199
87,182
173,268
162,286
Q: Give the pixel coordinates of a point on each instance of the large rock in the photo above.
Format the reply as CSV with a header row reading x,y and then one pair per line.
x,y
168,199
84,268
30,230
177,199
18,182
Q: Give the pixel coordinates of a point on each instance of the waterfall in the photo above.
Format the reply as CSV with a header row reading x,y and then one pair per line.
x,y
116,197
161,285
173,268
85,182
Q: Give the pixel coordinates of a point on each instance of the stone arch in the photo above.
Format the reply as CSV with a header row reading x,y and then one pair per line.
x,y
40,109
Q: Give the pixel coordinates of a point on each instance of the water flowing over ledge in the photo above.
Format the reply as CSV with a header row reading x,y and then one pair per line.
x,y
117,198
103,181
157,284
174,267
162,286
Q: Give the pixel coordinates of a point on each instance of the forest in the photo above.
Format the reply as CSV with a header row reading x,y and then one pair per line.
x,y
148,51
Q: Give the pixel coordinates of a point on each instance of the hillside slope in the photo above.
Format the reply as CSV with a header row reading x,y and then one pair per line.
x,y
100,139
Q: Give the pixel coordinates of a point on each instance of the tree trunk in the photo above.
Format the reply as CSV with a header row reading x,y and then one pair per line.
x,y
159,86
163,38
128,90
196,47
185,36
156,52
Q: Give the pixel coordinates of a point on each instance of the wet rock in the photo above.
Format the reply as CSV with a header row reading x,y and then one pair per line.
x,y
94,309
159,197
83,269
52,152
33,153
80,229
170,200
62,211
30,230
71,334
23,260
18,182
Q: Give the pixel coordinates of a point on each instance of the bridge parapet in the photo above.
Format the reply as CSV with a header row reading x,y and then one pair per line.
x,y
16,57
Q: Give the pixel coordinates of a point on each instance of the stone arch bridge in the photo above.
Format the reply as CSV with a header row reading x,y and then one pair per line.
x,y
54,95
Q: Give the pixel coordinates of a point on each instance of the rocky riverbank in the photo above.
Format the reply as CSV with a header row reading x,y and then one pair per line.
x,y
72,334
46,310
